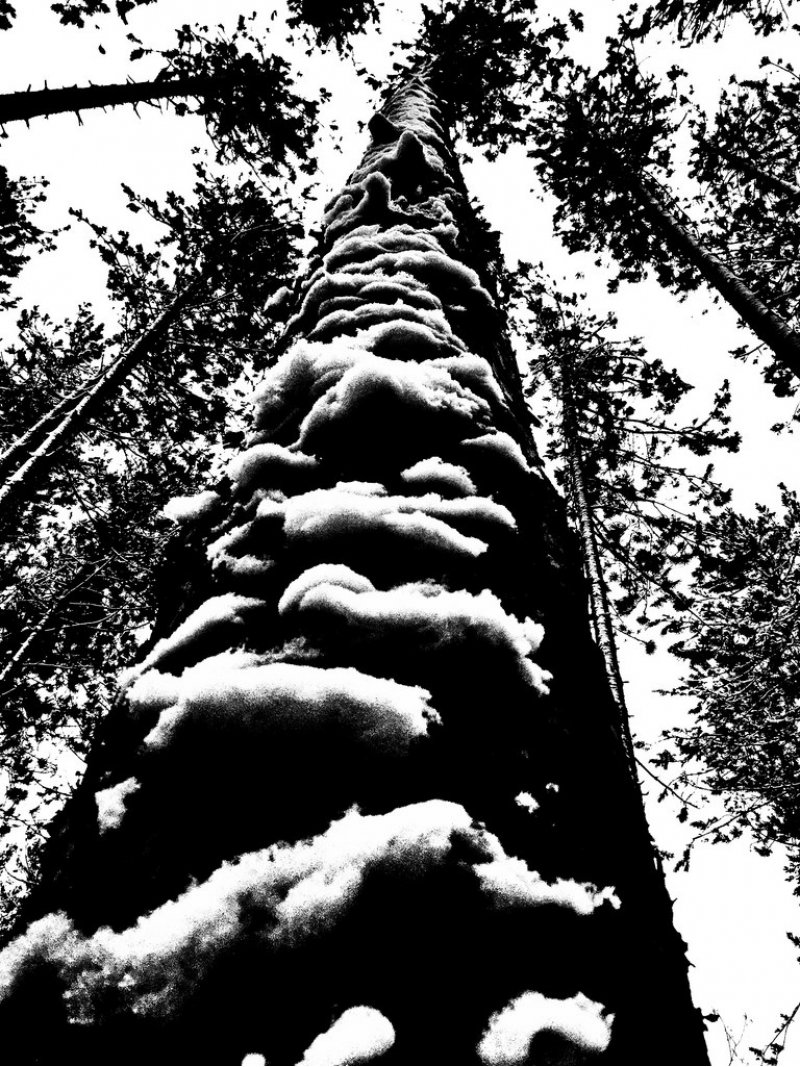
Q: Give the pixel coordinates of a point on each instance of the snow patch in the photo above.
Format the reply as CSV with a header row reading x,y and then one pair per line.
x,y
359,1035
111,803
527,801
434,474
267,462
234,690
438,615
510,883
580,1022
326,513
227,611
278,896
191,508
502,444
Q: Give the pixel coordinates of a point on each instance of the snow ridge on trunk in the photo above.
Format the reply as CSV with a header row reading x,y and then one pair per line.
x,y
300,837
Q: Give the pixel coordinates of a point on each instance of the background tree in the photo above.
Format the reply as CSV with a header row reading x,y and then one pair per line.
x,y
624,463
244,95
741,645
699,19
746,163
604,145
19,234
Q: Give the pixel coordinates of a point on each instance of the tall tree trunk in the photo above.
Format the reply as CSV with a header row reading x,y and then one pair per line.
x,y
751,170
36,450
298,824
765,323
38,103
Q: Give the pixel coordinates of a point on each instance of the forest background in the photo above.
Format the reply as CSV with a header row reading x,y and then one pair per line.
x,y
733,907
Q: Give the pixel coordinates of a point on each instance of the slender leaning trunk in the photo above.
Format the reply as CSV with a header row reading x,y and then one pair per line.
x,y
39,103
765,323
20,449
368,802
36,450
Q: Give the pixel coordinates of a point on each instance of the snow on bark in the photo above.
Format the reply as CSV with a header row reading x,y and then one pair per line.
x,y
433,616
435,475
286,895
111,803
234,692
578,1025
359,1035
189,508
218,619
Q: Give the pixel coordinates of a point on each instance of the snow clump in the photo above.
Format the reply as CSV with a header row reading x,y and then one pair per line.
x,y
359,1035
275,897
440,616
190,508
111,803
579,1022
240,690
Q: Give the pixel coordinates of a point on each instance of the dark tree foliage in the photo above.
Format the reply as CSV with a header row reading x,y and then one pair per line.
x,y
696,20
47,362
604,145
250,111
746,163
647,497
77,581
76,12
595,129
19,235
334,21
742,647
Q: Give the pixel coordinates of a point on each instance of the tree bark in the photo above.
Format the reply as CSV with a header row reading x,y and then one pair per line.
x,y
342,804
38,103
765,323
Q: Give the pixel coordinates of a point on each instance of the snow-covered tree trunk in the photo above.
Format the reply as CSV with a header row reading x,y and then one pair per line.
x,y
368,802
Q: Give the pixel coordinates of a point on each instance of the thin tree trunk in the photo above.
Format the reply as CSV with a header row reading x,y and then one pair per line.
x,y
751,170
37,103
14,663
318,795
765,324
21,447
40,452
598,591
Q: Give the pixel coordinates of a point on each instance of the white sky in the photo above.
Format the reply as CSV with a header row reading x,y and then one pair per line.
x,y
732,907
